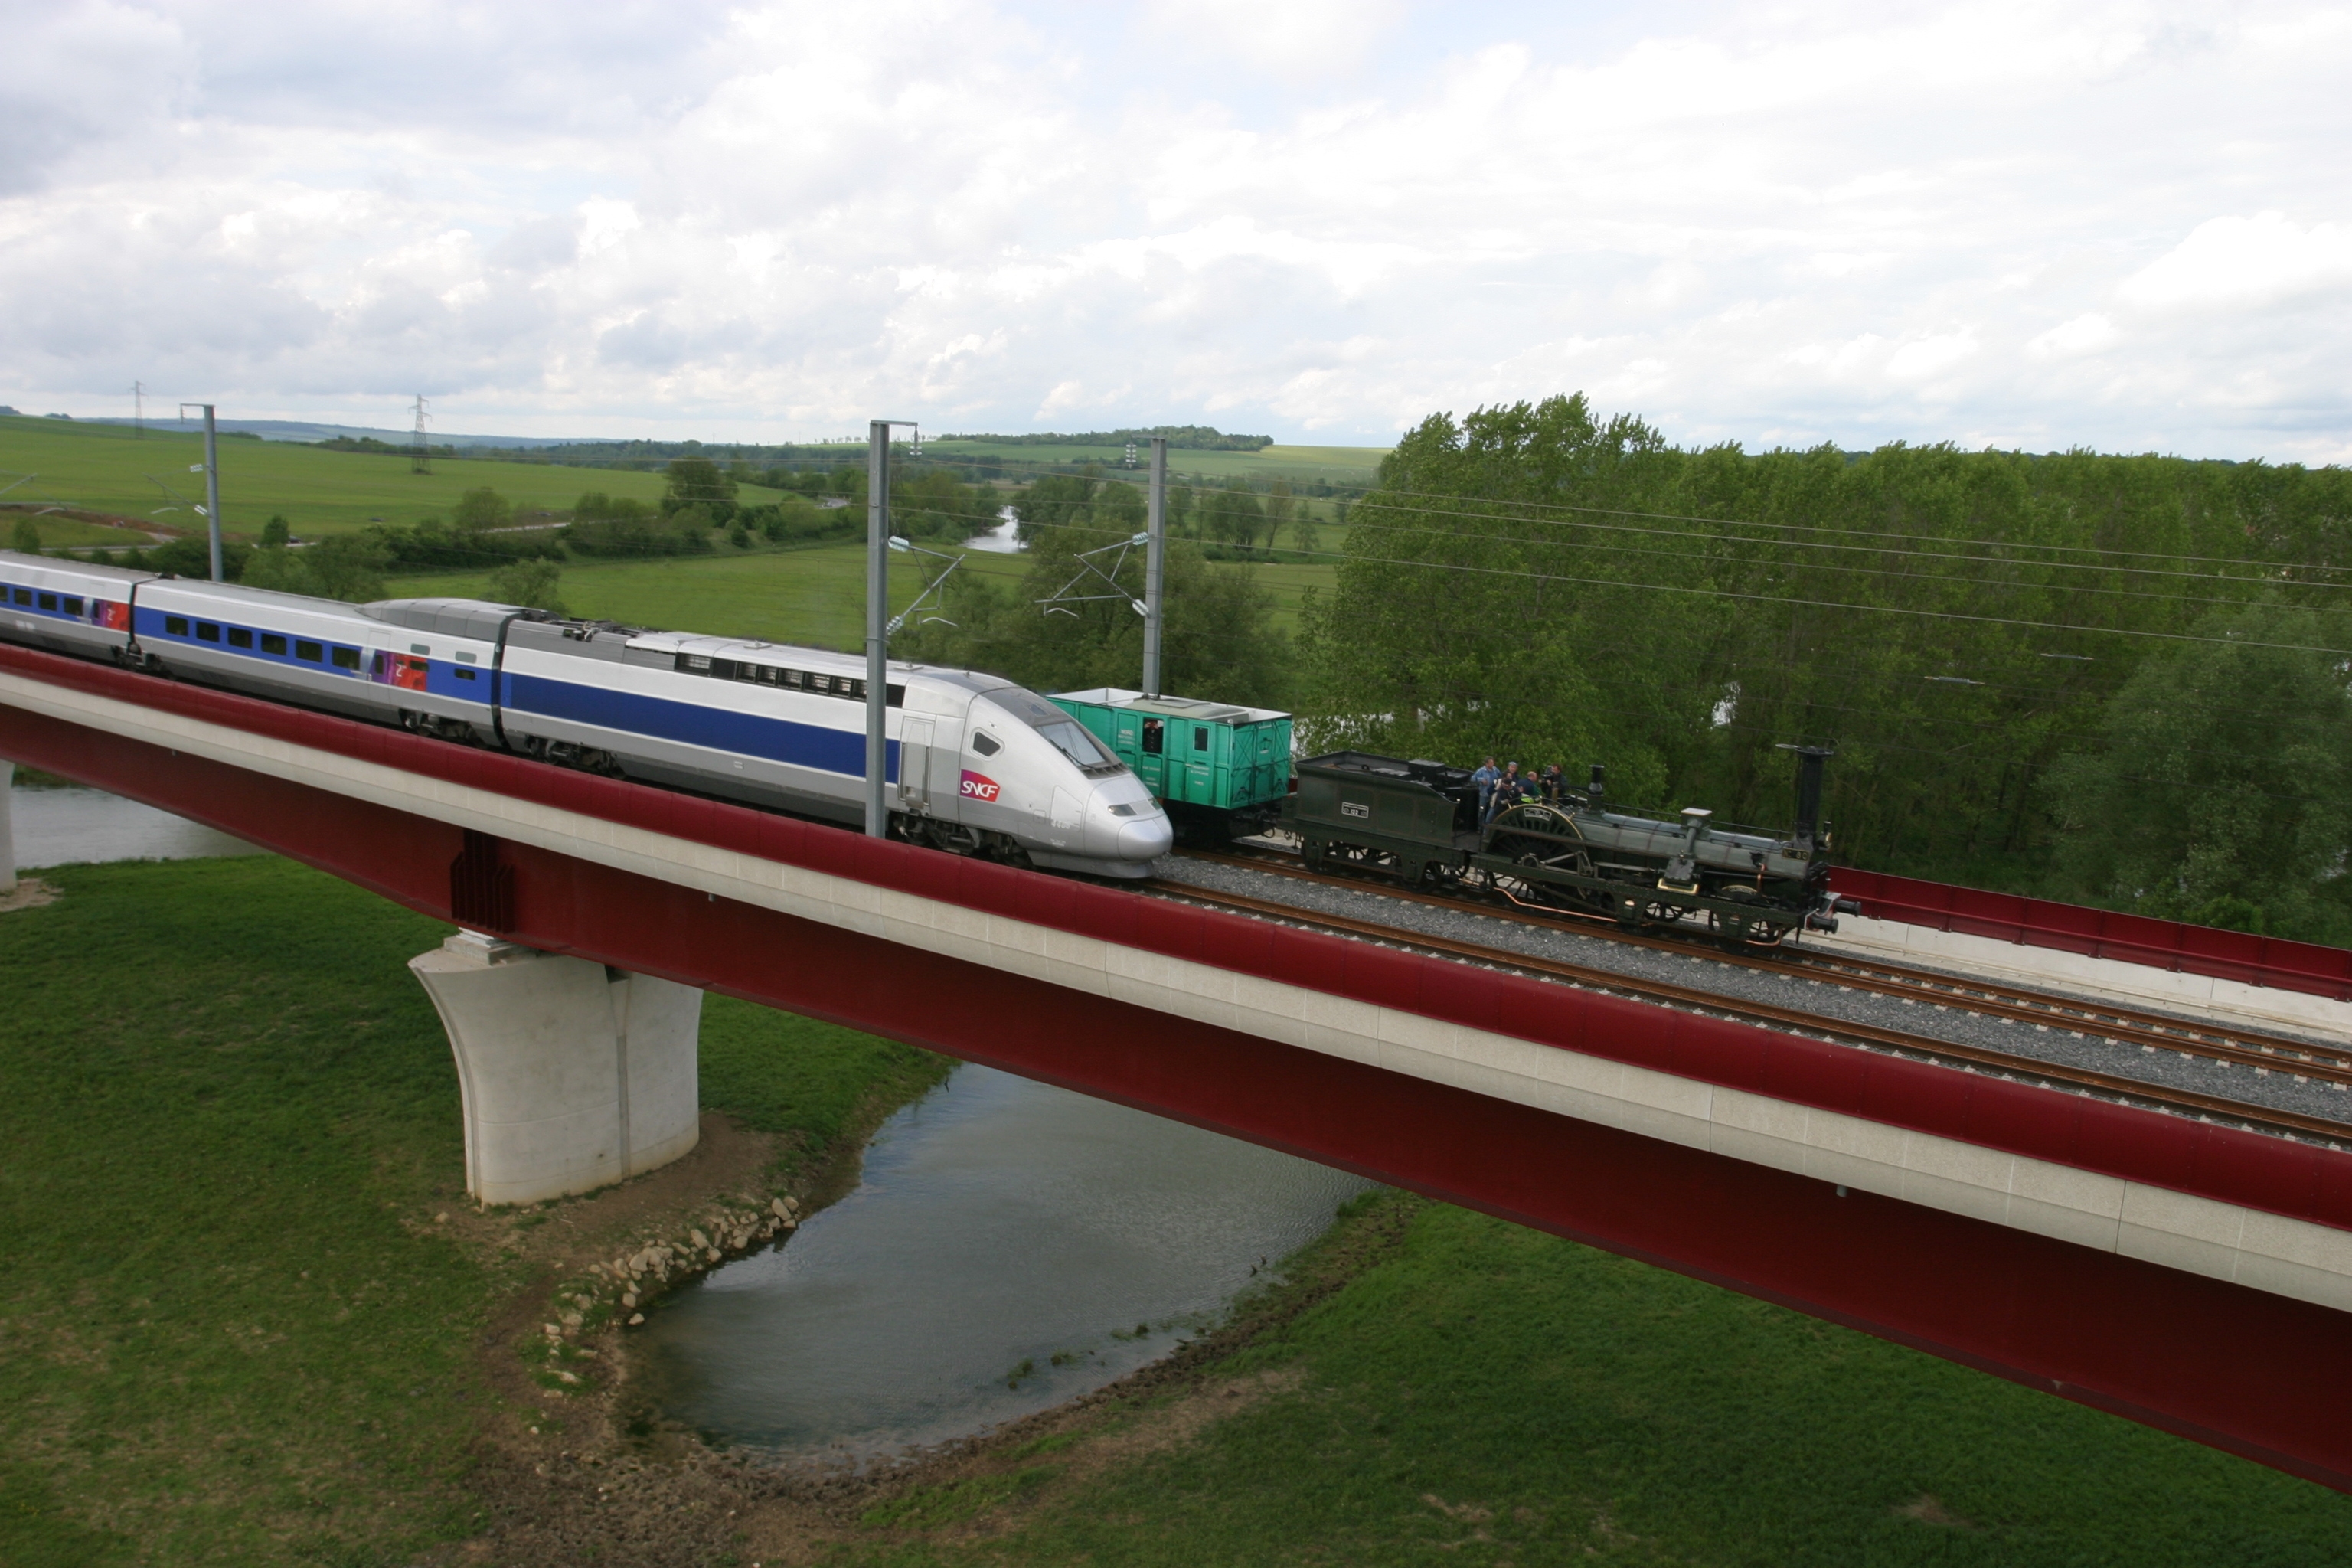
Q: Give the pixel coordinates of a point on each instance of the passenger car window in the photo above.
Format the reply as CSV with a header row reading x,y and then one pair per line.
x,y
347,658
272,643
175,625
48,601
239,638
1199,739
73,605
309,651
465,675
207,632
986,744
24,596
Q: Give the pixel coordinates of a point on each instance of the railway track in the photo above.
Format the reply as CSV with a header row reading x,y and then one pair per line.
x,y
2122,1024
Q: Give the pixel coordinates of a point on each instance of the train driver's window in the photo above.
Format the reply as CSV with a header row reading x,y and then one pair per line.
x,y
1154,736
986,744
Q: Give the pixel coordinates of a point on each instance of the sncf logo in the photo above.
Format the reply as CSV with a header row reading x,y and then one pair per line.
x,y
978,786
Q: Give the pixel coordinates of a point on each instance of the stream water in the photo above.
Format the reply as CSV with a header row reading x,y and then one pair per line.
x,y
999,1223
1010,1246
64,827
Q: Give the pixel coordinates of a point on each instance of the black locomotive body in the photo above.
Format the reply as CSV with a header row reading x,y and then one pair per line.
x,y
1419,822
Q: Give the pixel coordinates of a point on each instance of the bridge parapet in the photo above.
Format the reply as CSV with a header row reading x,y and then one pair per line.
x,y
2018,1228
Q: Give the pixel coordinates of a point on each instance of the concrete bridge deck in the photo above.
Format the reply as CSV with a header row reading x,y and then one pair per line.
x,y
2192,1276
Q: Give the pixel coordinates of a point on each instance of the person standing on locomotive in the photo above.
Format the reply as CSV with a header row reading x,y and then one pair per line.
x,y
1484,780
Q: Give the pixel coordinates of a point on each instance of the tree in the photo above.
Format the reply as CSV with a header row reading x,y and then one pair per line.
x,y
1232,515
1281,506
347,566
698,481
26,537
531,583
2219,790
276,532
1219,640
480,510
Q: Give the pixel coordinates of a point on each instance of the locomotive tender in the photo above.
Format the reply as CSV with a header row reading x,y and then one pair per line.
x,y
1418,821
977,765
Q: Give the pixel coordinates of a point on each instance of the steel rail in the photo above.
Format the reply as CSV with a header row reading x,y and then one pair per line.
x,y
2078,1015
2188,1102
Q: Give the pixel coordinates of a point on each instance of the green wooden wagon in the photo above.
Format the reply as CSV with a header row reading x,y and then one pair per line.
x,y
1220,770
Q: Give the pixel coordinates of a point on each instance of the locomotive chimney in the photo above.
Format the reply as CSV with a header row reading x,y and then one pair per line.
x,y
1595,789
1809,791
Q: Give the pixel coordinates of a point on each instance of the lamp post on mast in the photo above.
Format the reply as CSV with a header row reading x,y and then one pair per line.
x,y
878,616
1155,560
211,466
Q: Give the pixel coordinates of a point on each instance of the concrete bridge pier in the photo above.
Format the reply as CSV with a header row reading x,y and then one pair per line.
x,y
574,1075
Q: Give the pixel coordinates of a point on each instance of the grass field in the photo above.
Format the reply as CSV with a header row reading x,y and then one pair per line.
x,y
105,468
1484,1395
815,597
228,1332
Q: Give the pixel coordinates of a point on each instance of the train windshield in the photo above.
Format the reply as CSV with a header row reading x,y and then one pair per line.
x,y
1072,741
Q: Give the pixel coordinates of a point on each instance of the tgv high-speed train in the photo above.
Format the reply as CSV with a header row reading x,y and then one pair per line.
x,y
975,765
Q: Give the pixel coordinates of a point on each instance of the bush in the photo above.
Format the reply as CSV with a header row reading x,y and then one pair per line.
x,y
531,583
347,566
26,537
193,557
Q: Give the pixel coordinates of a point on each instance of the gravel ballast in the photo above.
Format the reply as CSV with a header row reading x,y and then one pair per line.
x,y
1700,969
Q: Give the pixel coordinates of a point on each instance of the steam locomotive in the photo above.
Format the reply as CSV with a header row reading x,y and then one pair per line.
x,y
1418,822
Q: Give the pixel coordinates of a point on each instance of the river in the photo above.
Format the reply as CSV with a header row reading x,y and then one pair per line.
x,y
66,827
999,1224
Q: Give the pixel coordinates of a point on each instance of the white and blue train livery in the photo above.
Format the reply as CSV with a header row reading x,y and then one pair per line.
x,y
975,765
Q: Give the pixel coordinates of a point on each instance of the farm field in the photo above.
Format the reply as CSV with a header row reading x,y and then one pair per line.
x,y
106,468
812,596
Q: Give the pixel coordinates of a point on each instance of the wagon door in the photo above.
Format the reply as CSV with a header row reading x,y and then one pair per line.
x,y
915,764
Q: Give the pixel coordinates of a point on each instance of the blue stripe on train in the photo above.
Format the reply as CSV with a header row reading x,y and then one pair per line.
x,y
815,746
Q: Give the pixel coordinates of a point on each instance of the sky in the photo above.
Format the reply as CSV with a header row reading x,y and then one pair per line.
x,y
2119,227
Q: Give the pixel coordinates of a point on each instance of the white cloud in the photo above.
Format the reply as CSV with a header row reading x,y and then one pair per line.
x,y
778,219
2245,261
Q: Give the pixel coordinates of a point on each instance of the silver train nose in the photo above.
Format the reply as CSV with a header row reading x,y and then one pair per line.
x,y
1146,840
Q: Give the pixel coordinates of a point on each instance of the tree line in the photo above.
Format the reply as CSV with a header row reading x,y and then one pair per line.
x,y
2113,678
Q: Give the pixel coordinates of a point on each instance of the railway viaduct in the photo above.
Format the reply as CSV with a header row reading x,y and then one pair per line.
x,y
2189,1275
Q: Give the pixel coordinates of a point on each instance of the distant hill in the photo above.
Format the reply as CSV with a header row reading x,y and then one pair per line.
x,y
304,430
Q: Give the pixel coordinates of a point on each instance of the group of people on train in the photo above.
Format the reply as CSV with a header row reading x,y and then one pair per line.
x,y
1499,789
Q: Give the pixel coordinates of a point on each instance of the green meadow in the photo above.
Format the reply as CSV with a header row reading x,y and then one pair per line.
x,y
108,468
812,596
